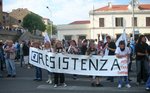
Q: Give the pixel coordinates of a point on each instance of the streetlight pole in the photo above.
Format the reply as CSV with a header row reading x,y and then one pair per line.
x,y
51,24
133,28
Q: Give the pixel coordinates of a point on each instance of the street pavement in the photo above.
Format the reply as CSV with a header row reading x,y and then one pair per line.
x,y
23,83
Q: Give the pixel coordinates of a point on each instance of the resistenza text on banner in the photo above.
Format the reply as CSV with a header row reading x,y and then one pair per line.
x,y
78,64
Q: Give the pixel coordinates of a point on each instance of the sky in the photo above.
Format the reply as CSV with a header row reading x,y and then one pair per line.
x,y
61,11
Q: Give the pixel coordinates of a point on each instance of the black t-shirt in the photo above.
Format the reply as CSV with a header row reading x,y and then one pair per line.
x,y
141,48
59,50
148,50
25,49
111,45
83,50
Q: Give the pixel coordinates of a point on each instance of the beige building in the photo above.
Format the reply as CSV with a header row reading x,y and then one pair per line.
x,y
13,19
6,18
110,20
74,30
19,13
47,21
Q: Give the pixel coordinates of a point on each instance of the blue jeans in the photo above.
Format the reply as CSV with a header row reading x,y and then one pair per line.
x,y
142,70
21,60
125,78
38,73
10,66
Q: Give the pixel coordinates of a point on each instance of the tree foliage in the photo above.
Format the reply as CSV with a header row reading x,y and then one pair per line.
x,y
54,29
33,22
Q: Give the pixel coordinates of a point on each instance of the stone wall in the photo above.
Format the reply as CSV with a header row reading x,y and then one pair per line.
x,y
9,35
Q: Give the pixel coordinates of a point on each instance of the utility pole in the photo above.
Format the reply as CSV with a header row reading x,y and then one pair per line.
x,y
93,22
133,27
51,24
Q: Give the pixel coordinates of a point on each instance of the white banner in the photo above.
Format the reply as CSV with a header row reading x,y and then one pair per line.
x,y
78,64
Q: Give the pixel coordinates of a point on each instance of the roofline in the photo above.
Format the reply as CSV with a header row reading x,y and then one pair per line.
x,y
74,22
119,12
97,10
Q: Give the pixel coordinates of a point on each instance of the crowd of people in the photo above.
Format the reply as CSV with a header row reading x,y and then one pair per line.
x,y
9,52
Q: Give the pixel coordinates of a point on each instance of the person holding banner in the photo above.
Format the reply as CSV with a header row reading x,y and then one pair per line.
x,y
48,48
59,76
100,48
109,49
84,47
73,49
93,51
141,63
36,44
121,52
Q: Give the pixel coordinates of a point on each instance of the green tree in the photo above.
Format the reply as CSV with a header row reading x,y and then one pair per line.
x,y
33,22
48,29
54,29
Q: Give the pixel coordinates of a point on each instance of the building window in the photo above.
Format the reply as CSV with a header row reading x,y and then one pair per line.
x,y
68,37
117,36
101,22
147,21
135,21
82,37
119,22
4,18
19,21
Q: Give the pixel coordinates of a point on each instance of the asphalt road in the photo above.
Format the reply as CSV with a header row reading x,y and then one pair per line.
x,y
24,83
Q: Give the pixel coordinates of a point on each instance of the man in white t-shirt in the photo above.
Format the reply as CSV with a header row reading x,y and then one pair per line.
x,y
121,52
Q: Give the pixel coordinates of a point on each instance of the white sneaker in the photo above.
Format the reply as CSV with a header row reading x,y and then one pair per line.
x,y
47,81
147,88
64,85
128,85
55,86
119,86
29,67
50,82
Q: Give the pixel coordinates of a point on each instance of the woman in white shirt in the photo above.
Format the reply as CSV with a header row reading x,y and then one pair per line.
x,y
48,48
123,52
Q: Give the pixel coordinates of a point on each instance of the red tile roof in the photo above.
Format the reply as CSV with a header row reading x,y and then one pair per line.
x,y
81,22
144,7
122,7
